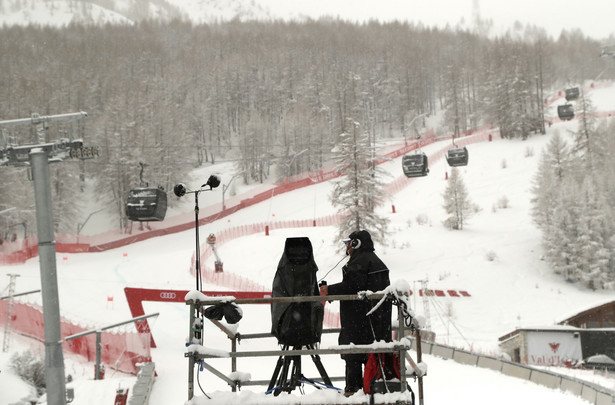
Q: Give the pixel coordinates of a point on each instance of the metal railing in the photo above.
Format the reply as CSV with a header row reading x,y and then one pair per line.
x,y
196,356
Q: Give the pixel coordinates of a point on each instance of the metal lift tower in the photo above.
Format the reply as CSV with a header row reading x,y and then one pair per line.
x,y
38,156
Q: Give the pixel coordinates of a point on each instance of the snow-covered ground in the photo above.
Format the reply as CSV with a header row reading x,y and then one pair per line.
x,y
496,258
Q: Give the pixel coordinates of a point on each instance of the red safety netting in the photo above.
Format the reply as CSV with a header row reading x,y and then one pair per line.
x,y
119,350
19,251
127,349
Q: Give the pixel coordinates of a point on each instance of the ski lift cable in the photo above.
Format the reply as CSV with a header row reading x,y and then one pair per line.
x,y
440,311
455,327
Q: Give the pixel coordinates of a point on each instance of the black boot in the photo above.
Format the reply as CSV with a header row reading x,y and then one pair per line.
x,y
354,377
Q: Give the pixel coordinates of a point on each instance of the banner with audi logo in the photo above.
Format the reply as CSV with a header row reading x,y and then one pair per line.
x,y
167,295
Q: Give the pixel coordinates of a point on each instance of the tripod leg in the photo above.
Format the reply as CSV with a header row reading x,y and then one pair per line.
x,y
296,374
295,377
282,382
276,371
320,367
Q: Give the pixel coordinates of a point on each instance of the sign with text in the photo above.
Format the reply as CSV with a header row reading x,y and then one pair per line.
x,y
546,348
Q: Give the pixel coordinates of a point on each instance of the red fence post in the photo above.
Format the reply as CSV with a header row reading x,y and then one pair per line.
x,y
121,396
266,230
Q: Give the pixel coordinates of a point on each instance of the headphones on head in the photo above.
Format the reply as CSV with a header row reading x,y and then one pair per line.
x,y
355,243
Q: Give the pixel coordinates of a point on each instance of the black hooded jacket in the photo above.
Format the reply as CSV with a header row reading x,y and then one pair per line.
x,y
364,271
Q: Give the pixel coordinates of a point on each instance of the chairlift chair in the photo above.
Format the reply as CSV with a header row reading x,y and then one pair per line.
x,y
457,157
146,204
415,165
565,112
572,93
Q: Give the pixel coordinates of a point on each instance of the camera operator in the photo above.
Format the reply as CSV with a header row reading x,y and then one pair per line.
x,y
364,271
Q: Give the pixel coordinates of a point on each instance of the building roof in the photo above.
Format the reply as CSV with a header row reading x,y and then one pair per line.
x,y
552,328
595,307
564,325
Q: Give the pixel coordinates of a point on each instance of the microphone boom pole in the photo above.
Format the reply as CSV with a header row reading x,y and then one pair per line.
x,y
180,190
197,261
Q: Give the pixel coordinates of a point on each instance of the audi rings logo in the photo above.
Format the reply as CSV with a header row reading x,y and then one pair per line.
x,y
167,295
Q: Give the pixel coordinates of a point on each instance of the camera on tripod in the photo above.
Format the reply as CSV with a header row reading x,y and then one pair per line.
x,y
296,323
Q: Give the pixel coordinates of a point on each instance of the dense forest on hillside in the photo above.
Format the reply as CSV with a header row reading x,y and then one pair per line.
x,y
176,96
574,201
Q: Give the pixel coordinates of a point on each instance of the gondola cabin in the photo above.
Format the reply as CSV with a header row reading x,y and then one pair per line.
x,y
415,165
146,204
457,157
572,93
565,112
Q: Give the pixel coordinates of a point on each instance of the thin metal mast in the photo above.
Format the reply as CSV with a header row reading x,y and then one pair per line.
x,y
9,313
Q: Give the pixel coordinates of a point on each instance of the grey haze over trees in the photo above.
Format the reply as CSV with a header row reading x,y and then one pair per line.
x,y
574,203
176,96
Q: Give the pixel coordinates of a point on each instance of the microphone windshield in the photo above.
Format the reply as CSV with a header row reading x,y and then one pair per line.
x,y
213,181
179,190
